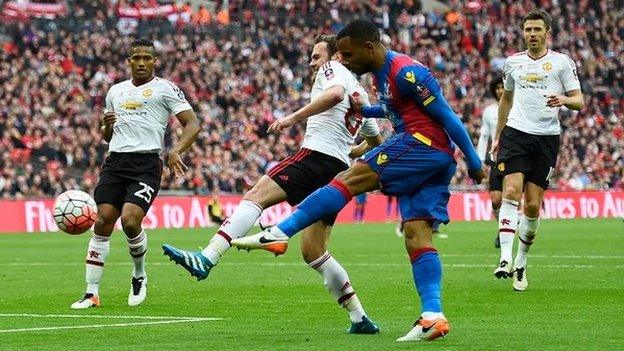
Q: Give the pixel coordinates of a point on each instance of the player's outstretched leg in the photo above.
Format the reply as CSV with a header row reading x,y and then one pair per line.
x,y
325,201
193,261
264,194
199,263
427,273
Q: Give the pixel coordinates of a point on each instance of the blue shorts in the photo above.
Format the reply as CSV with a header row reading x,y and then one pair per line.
x,y
417,174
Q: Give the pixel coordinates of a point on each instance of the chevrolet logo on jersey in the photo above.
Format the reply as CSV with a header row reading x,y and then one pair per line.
x,y
532,78
131,105
410,77
382,158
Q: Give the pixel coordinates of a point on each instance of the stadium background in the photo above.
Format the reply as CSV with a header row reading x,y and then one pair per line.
x,y
243,64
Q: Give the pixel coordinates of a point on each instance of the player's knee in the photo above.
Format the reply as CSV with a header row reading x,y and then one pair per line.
x,y
131,224
253,194
102,227
512,192
359,178
418,234
532,209
497,199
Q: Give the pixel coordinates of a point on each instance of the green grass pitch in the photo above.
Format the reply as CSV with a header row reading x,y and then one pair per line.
x,y
575,299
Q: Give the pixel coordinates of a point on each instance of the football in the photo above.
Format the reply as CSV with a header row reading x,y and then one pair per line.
x,y
74,212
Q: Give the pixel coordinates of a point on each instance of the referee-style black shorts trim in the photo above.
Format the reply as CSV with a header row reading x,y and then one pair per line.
x,y
129,177
535,156
302,173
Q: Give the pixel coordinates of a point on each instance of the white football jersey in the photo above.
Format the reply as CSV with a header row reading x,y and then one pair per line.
x,y
533,80
332,132
489,120
142,114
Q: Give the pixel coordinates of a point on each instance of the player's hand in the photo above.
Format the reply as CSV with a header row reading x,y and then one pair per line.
x,y
478,175
174,162
357,102
282,123
556,100
494,149
108,119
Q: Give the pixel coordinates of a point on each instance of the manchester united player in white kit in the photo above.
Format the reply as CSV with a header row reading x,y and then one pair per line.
x,y
537,83
136,116
330,132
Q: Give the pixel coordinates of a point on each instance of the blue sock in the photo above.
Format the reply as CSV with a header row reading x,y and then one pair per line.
x,y
325,201
427,270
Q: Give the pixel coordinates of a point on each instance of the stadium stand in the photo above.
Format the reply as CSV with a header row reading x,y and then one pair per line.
x,y
244,63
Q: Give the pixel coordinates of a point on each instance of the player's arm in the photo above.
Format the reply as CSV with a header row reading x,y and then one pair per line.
x,y
419,84
484,133
332,80
572,100
329,98
504,106
370,131
190,130
108,119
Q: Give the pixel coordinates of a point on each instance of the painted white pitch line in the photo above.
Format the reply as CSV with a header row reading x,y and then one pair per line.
x,y
102,316
90,326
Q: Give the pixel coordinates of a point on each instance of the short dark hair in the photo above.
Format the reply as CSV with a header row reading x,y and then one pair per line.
x,y
361,30
142,42
496,80
537,14
330,39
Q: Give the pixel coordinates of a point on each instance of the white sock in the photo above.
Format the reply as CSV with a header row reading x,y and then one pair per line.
x,y
235,226
336,280
97,251
138,248
526,233
507,224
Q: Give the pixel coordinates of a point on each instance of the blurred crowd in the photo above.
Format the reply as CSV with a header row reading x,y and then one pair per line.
x,y
242,64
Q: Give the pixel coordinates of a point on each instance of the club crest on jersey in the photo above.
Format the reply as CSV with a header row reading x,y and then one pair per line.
x,y
131,105
147,92
501,167
382,158
547,66
329,73
410,77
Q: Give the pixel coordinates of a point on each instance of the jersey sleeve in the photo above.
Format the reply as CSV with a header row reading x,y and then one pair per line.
x,y
174,99
331,74
369,127
417,83
569,75
508,81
